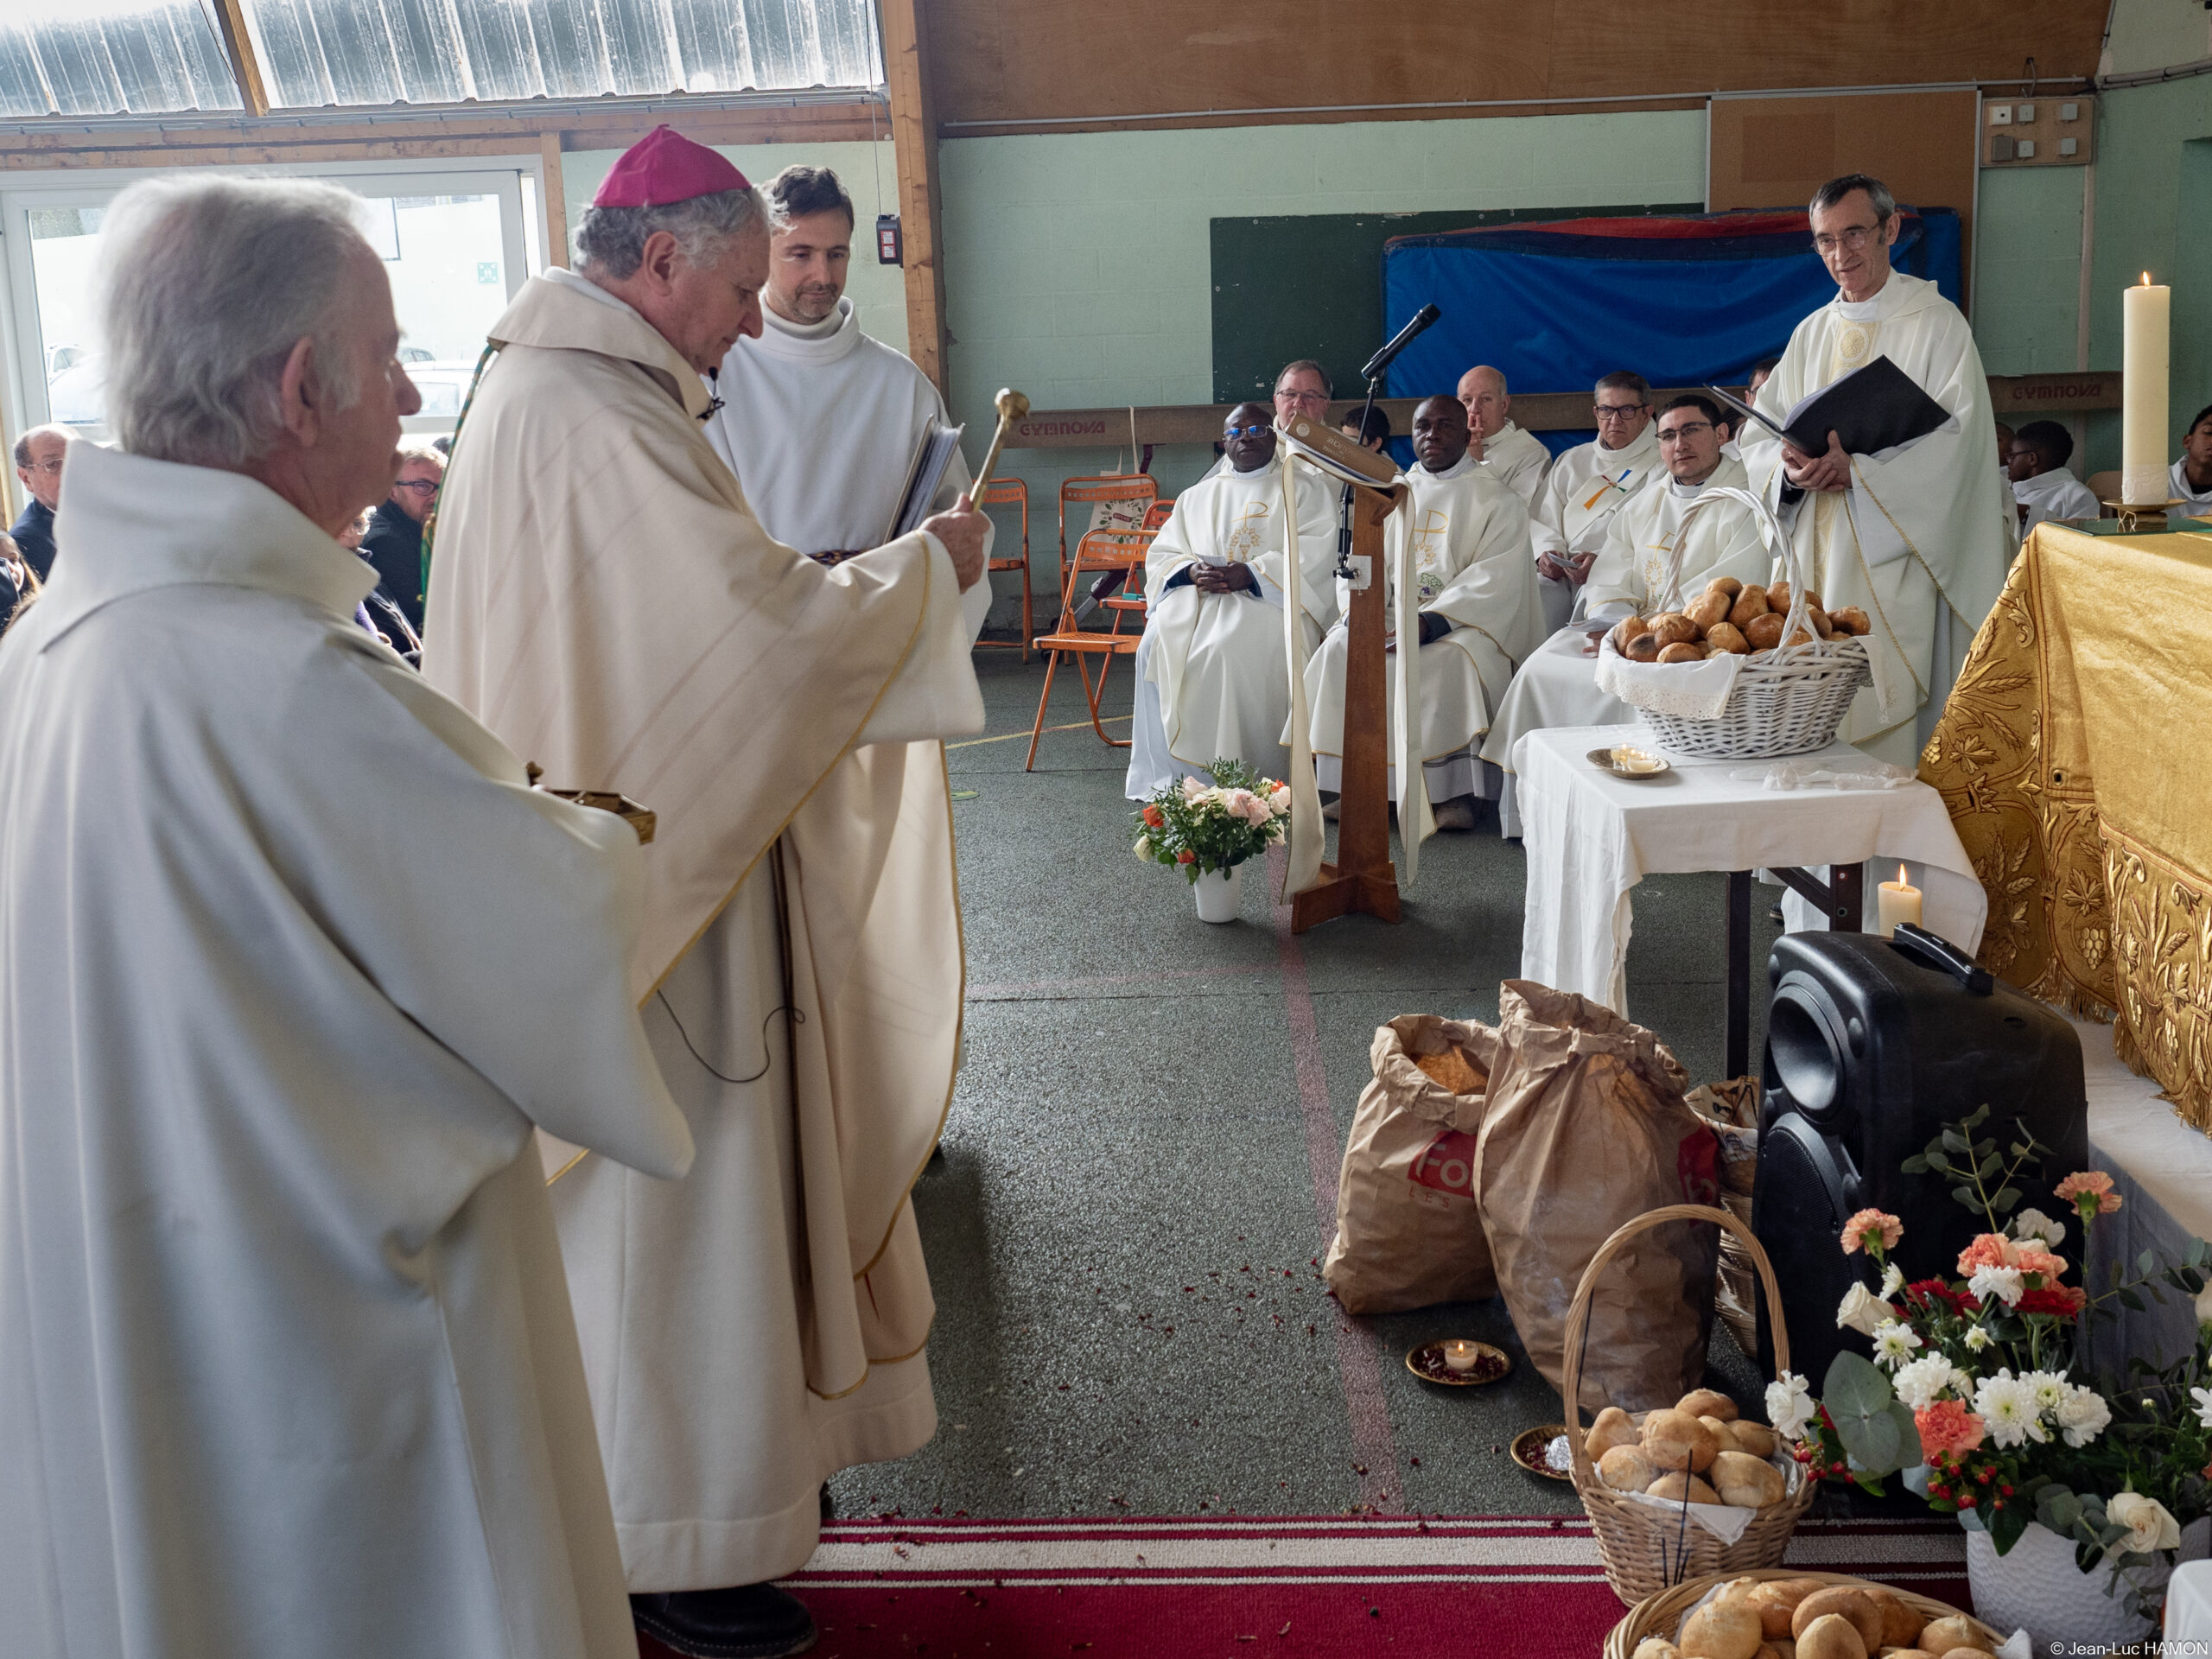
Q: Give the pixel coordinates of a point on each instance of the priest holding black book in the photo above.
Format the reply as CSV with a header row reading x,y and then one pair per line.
x,y
1913,529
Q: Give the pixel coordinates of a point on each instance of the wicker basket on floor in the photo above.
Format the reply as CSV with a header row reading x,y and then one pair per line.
x,y
1662,1615
1647,1549
1790,700
1737,1283
1732,1110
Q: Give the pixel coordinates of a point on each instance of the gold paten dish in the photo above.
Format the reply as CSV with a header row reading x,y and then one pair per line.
x,y
1428,1363
642,819
1631,763
1531,1447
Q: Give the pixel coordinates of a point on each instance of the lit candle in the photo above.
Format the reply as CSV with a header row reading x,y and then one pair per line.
x,y
1899,901
1458,1356
2144,313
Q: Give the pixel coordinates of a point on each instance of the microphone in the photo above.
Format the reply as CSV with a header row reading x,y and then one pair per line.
x,y
1405,337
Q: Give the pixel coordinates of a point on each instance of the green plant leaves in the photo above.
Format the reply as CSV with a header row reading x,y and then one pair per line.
x,y
1876,1430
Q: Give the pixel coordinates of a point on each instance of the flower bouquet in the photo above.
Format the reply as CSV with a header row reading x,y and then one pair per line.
x,y
1200,830
1978,1390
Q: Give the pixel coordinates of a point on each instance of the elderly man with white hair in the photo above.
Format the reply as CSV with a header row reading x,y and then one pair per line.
x,y
629,623
1515,458
292,957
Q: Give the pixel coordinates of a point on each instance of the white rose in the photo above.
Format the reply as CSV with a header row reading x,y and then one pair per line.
x,y
1144,848
1862,1310
1790,1405
2083,1416
2033,1223
2149,1526
2002,1283
1926,1380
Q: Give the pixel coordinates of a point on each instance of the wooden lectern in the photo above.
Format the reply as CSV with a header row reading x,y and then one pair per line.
x,y
1363,878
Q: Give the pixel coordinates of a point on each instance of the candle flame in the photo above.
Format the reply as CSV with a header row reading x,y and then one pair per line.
x,y
1903,879
2146,279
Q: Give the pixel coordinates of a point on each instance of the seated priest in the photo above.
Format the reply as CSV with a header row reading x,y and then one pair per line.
x,y
1479,616
2042,485
1370,428
2192,474
1213,670
1587,486
1557,686
1516,459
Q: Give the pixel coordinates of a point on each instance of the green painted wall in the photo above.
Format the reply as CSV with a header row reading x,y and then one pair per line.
x,y
2028,266
878,292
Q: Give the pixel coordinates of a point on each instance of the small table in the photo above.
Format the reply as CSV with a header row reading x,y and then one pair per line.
x,y
1592,837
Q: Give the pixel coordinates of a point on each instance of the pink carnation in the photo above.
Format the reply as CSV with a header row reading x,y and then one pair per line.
x,y
2087,1188
1885,1228
1947,1427
2032,1259
1988,1250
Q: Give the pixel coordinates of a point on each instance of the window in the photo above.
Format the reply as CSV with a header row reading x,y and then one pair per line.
x,y
112,57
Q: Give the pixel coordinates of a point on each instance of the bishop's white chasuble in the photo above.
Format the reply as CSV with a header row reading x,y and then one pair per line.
x,y
631,624
1922,540
1213,681
1468,544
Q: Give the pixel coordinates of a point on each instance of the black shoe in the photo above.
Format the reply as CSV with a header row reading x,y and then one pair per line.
x,y
752,1621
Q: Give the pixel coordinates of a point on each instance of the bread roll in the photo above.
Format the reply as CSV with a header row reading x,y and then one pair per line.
x,y
1642,649
1726,637
1613,1427
1765,631
1940,1635
1768,1650
1710,607
1627,629
1967,1653
1850,619
1677,1441
1845,1601
1750,603
1721,1630
1786,1648
1803,636
1774,1601
1723,1436
1812,600
1708,1403
1831,1637
1752,1482
1754,1438
1907,1653
1901,1625
1672,1488
1822,625
1777,595
1727,585
1628,1468
1681,652
1673,628
1656,1647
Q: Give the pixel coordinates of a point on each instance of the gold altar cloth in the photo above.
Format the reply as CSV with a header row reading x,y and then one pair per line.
x,y
2068,758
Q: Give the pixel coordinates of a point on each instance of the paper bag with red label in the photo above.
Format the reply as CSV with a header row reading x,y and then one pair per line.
x,y
1585,1128
1408,1233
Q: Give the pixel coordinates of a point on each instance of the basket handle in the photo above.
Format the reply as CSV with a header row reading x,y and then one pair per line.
x,y
1778,542
1578,1316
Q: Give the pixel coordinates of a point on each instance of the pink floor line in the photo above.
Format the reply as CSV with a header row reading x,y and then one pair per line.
x,y
1359,1356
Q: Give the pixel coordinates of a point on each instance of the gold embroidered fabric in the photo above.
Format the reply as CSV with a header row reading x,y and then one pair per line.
x,y
2066,756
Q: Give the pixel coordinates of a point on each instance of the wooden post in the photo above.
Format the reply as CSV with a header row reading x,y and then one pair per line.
x,y
237,45
1363,878
555,201
913,143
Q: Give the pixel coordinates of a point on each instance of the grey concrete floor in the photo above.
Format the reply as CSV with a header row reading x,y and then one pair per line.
x,y
1124,1232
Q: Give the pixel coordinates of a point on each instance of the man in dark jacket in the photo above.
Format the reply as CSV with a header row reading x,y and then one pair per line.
x,y
16,581
394,544
38,462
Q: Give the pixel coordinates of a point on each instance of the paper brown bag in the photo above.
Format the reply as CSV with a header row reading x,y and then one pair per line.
x,y
1586,1127
1408,1230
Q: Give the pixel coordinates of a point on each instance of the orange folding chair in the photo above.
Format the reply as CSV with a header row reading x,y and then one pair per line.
x,y
1006,493
1097,551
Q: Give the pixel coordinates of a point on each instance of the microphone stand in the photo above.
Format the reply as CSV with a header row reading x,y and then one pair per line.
x,y
1373,370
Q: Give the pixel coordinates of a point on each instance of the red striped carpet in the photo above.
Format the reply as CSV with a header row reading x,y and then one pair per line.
x,y
1527,1586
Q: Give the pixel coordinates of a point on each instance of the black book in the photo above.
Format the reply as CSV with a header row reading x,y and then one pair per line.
x,y
1870,410
933,453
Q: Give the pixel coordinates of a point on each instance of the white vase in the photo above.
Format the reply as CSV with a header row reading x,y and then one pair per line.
x,y
2036,1586
1220,895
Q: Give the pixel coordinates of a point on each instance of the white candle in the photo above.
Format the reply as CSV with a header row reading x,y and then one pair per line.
x,y
1898,901
2144,313
1459,1356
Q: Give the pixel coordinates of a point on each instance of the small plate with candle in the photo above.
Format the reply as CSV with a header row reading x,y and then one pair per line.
x,y
1631,763
1897,901
1458,1363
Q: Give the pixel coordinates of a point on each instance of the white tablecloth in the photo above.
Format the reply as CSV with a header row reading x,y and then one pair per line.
x,y
1592,837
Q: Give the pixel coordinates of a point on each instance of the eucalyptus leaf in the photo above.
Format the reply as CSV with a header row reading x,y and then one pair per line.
x,y
1954,1141
1988,1167
2132,1302
1977,1117
1876,1430
1915,1165
2006,1526
2003,1201
2147,1262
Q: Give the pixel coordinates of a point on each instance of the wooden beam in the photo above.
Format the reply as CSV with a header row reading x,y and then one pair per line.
x,y
237,45
913,141
555,201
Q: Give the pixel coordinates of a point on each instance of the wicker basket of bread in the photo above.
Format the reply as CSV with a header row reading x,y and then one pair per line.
x,y
1795,666
1640,1476
1776,1614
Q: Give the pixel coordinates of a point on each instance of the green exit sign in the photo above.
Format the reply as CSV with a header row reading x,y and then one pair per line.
x,y
487,270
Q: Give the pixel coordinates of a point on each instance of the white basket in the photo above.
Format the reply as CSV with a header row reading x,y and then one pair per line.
x,y
1788,701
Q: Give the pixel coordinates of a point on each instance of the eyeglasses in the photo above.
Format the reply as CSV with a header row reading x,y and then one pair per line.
x,y
420,486
1616,411
1685,429
1244,431
1852,240
1321,398
51,468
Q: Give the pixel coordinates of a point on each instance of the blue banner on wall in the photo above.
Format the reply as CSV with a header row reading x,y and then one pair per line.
x,y
1682,302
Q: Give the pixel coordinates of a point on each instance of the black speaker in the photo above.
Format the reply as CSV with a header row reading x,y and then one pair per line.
x,y
1873,1044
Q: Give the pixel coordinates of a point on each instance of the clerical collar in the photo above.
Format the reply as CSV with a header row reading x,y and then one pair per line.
x,y
1459,468
1870,308
1690,492
816,344
822,330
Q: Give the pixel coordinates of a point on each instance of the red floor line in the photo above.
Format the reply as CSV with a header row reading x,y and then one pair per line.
x,y
1359,1356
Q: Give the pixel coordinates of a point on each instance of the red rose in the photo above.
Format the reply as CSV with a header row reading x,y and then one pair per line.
x,y
1153,816
1187,856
